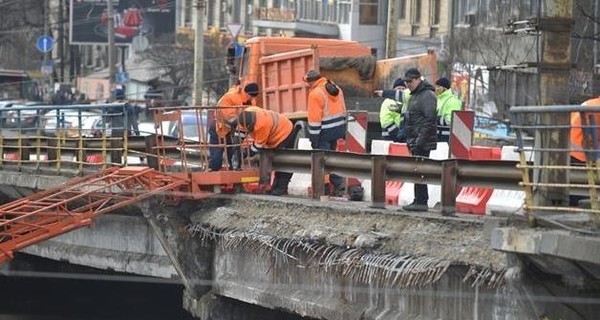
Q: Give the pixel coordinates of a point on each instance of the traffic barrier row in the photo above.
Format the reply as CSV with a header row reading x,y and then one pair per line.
x,y
402,193
472,200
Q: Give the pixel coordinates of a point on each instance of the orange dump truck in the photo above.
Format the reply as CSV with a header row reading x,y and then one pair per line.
x,y
279,64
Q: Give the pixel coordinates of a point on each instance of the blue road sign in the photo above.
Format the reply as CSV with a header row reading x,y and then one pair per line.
x,y
45,43
122,77
238,48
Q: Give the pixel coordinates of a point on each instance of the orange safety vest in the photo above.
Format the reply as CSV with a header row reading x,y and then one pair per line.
x,y
267,128
229,107
576,136
326,113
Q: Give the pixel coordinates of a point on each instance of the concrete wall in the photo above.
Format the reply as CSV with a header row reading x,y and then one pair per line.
x,y
115,242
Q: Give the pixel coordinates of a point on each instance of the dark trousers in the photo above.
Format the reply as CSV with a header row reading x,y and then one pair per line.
x,y
336,181
215,159
421,193
282,179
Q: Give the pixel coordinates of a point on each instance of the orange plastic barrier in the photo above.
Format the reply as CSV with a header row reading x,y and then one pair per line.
x,y
399,149
485,153
392,188
94,158
12,156
474,199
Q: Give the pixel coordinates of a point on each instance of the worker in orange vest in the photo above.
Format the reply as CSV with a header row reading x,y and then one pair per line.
x,y
269,130
326,118
590,126
229,107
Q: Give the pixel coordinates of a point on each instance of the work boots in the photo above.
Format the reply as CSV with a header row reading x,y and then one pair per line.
x,y
278,189
415,207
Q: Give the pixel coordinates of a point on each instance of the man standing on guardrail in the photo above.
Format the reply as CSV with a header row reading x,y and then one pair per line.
x,y
421,128
326,119
446,103
228,108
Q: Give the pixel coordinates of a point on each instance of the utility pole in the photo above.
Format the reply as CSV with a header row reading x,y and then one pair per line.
x,y
111,44
198,53
61,40
392,30
554,68
47,83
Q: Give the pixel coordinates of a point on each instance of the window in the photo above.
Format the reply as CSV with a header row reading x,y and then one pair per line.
x,y
368,12
343,8
435,12
402,10
416,12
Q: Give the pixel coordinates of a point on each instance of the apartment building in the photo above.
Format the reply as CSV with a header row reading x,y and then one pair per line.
x,y
419,23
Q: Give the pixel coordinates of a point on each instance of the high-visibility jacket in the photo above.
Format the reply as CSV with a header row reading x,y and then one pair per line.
x,y
446,103
326,113
577,130
391,119
267,128
229,107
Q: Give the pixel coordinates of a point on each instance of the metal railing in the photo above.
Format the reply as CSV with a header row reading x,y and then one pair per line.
x,y
562,172
64,137
379,168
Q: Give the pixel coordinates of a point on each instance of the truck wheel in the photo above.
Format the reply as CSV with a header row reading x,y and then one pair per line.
x,y
301,130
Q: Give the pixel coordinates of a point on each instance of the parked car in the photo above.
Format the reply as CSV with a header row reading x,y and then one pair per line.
x,y
192,130
19,114
72,121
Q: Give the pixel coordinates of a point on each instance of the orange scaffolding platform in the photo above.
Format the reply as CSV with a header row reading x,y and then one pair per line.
x,y
73,205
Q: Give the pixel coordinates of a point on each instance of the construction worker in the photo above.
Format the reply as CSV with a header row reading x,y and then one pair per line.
x,y
391,112
579,130
446,103
228,108
421,128
269,130
326,118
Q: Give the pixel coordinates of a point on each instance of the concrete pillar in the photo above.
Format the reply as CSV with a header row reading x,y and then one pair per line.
x,y
555,64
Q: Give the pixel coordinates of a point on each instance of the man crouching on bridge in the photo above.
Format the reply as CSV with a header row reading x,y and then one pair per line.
x,y
269,130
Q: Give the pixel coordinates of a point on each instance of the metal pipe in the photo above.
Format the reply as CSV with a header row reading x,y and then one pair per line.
x,y
554,109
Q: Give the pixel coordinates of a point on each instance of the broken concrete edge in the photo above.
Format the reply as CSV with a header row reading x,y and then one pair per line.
x,y
557,243
359,264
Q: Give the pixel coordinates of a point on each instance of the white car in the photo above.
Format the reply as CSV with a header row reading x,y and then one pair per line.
x,y
72,122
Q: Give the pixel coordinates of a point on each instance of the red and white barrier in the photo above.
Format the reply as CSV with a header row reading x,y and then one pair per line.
x,y
356,135
474,199
461,134
503,202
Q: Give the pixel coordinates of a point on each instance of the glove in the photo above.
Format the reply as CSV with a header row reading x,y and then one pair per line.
x,y
254,158
397,107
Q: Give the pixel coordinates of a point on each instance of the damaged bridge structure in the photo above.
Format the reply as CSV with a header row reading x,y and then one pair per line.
x,y
240,255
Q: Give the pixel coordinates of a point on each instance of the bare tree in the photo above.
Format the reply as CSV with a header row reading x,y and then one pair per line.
x,y
21,23
175,60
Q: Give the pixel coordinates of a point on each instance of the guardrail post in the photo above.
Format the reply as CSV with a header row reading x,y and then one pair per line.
x,y
449,172
378,178
317,171
265,169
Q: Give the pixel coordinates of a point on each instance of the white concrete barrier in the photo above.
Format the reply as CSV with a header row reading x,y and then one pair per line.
x,y
300,181
504,202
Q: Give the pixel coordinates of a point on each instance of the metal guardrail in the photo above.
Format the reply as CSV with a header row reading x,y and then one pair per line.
x,y
379,168
555,174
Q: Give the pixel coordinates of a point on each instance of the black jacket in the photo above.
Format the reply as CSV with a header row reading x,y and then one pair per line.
x,y
421,124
